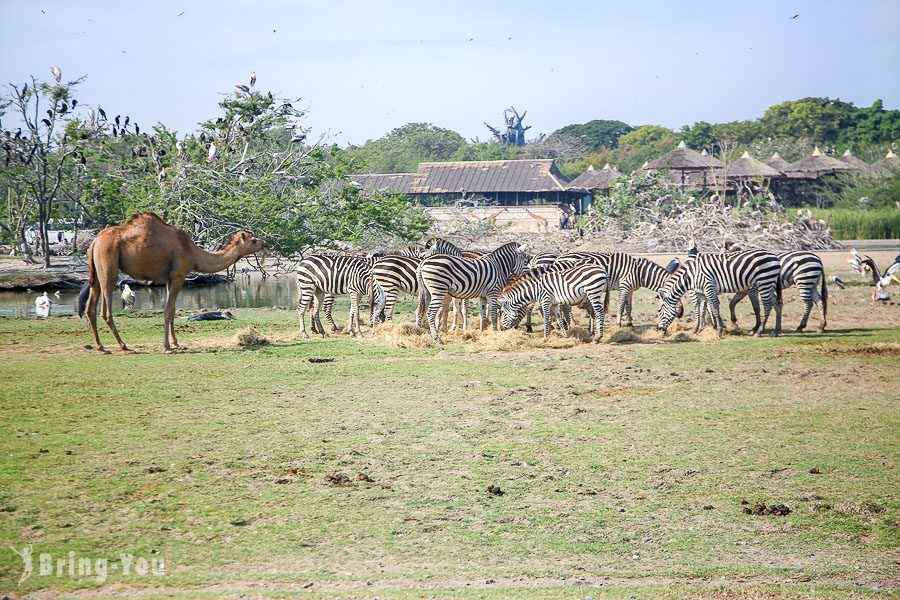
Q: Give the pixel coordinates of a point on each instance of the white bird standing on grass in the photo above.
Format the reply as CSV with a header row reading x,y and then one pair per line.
x,y
128,297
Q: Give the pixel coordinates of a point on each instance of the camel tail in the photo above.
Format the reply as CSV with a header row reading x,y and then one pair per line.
x,y
84,294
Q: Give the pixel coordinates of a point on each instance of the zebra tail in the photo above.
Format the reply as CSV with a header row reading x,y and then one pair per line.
x,y
424,294
778,290
824,295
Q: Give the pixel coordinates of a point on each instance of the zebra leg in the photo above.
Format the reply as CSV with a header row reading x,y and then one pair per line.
x,y
435,306
379,308
547,310
712,304
328,307
353,323
528,326
302,304
494,311
599,317
809,296
464,309
390,302
733,304
482,321
320,300
768,299
754,301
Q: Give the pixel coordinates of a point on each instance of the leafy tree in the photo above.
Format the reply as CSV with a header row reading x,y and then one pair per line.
x,y
596,134
819,119
401,150
644,143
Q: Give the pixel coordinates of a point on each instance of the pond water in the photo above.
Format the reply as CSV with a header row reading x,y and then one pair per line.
x,y
243,292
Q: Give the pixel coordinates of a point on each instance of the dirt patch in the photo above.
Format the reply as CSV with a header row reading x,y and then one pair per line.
x,y
870,350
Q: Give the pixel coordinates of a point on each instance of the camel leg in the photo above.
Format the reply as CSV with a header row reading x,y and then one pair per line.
x,y
172,288
106,277
91,310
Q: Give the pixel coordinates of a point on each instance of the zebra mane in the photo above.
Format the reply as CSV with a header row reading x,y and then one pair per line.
x,y
525,277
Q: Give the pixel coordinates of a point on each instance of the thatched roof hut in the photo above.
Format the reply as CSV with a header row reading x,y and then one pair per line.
x,y
848,158
887,166
815,165
776,162
747,167
594,179
683,158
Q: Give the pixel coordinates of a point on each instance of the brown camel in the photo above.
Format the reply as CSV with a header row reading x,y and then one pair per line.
x,y
147,248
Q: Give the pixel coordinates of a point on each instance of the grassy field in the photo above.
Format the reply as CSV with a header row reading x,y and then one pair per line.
x,y
624,468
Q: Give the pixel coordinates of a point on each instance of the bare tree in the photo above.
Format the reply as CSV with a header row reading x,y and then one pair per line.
x,y
39,152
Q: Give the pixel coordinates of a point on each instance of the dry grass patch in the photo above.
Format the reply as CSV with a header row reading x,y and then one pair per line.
x,y
401,335
249,337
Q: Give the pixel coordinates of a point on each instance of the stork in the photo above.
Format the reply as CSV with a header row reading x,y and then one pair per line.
x,y
128,297
57,73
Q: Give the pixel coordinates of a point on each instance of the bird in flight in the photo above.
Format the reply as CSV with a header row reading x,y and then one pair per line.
x,y
794,17
179,14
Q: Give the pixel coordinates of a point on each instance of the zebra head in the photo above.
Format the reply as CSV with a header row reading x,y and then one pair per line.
x,y
438,245
670,295
513,306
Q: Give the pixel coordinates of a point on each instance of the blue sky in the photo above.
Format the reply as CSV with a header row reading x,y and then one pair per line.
x,y
363,68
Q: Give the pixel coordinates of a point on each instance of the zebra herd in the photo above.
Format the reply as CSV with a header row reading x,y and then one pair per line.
x,y
509,283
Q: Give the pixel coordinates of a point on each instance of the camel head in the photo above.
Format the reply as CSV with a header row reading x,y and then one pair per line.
x,y
245,243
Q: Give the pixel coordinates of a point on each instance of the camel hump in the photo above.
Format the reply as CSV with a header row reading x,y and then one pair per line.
x,y
148,215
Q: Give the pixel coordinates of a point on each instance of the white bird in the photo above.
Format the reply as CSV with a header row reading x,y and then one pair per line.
x,y
838,281
56,293
42,306
90,112
212,152
57,73
179,148
128,297
252,78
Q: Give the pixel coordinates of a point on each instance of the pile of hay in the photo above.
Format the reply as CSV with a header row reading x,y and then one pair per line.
x,y
401,335
249,337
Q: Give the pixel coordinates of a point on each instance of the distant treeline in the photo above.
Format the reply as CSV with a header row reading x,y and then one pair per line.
x,y
791,128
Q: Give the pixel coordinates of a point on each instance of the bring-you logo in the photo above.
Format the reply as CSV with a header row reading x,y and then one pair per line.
x,y
98,568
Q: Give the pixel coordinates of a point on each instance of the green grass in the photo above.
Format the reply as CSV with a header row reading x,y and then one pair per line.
x,y
854,224
607,456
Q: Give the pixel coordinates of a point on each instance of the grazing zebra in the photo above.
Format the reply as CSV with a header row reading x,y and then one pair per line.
x,y
443,275
561,286
805,270
627,273
708,275
390,276
320,278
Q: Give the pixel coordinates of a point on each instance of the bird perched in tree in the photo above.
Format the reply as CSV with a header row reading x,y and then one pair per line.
x,y
57,73
137,129
212,152
102,112
128,297
117,119
179,148
64,108
252,78
838,281
46,122
74,102
127,119
161,175
241,88
90,112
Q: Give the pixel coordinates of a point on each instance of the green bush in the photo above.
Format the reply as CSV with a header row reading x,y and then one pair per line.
x,y
856,224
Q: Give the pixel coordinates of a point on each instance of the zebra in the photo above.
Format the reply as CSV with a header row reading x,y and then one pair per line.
x,y
443,275
805,270
542,259
390,276
437,245
561,286
708,275
321,277
627,273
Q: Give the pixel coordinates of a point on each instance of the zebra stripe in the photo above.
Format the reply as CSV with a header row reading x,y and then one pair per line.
x,y
806,271
627,273
321,275
390,276
442,275
708,275
564,286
